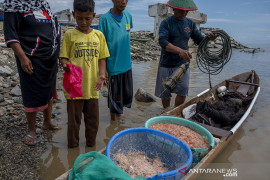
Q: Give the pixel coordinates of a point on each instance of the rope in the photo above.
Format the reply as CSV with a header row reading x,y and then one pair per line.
x,y
212,60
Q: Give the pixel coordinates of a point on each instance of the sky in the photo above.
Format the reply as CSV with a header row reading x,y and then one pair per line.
x,y
247,21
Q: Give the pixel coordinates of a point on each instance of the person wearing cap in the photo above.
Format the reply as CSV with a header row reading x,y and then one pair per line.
x,y
174,34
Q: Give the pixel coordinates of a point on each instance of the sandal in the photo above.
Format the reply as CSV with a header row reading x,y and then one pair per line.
x,y
56,127
30,140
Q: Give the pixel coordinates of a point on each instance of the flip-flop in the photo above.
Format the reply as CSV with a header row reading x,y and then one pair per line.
x,y
56,127
32,141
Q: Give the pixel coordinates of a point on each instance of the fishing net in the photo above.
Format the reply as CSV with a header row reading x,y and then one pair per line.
x,y
96,166
220,114
224,113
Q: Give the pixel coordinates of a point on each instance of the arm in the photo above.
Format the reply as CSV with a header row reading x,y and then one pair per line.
x,y
131,22
102,72
185,54
198,37
65,51
25,62
12,23
104,51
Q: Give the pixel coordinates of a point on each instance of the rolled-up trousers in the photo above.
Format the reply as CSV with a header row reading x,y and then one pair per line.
x,y
75,109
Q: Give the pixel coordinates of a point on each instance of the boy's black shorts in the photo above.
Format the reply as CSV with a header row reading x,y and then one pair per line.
x,y
120,92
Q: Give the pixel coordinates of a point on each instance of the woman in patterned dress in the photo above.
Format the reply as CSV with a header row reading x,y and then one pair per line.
x,y
33,32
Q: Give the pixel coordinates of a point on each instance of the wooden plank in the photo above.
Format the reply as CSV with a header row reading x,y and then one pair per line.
x,y
241,82
217,132
64,176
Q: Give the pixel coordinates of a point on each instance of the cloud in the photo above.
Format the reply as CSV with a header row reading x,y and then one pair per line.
x,y
134,5
141,16
218,20
102,6
261,20
246,3
220,12
102,2
60,5
260,29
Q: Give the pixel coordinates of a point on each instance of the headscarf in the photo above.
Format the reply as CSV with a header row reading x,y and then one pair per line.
x,y
25,6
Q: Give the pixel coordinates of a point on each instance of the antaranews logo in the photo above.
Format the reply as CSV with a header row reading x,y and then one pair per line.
x,y
183,171
226,172
231,173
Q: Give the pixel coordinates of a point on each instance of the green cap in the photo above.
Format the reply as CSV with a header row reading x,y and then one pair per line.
x,y
185,5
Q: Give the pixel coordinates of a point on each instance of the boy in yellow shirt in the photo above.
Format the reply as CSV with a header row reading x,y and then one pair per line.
x,y
87,48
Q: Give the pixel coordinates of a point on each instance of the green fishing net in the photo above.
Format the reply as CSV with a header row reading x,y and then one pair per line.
x,y
96,166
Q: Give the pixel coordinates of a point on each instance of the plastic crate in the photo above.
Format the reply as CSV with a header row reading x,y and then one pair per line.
x,y
198,153
174,153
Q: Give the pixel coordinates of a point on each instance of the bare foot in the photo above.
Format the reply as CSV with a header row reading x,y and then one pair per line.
x,y
50,127
115,116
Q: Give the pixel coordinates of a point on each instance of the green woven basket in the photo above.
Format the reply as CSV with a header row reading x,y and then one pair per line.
x,y
198,153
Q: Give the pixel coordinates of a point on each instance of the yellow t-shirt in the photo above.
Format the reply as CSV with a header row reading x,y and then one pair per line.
x,y
85,50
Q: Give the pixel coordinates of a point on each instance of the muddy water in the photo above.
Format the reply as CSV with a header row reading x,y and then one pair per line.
x,y
248,152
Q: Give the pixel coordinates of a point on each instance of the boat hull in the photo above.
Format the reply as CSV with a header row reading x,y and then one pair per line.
x,y
225,136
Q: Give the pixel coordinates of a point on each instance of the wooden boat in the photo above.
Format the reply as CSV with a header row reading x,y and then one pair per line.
x,y
246,83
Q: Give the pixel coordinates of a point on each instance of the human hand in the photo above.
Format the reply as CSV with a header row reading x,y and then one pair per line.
x,y
100,82
63,63
26,65
185,55
212,36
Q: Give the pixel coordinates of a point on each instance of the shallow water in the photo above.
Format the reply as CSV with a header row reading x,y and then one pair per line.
x,y
248,152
